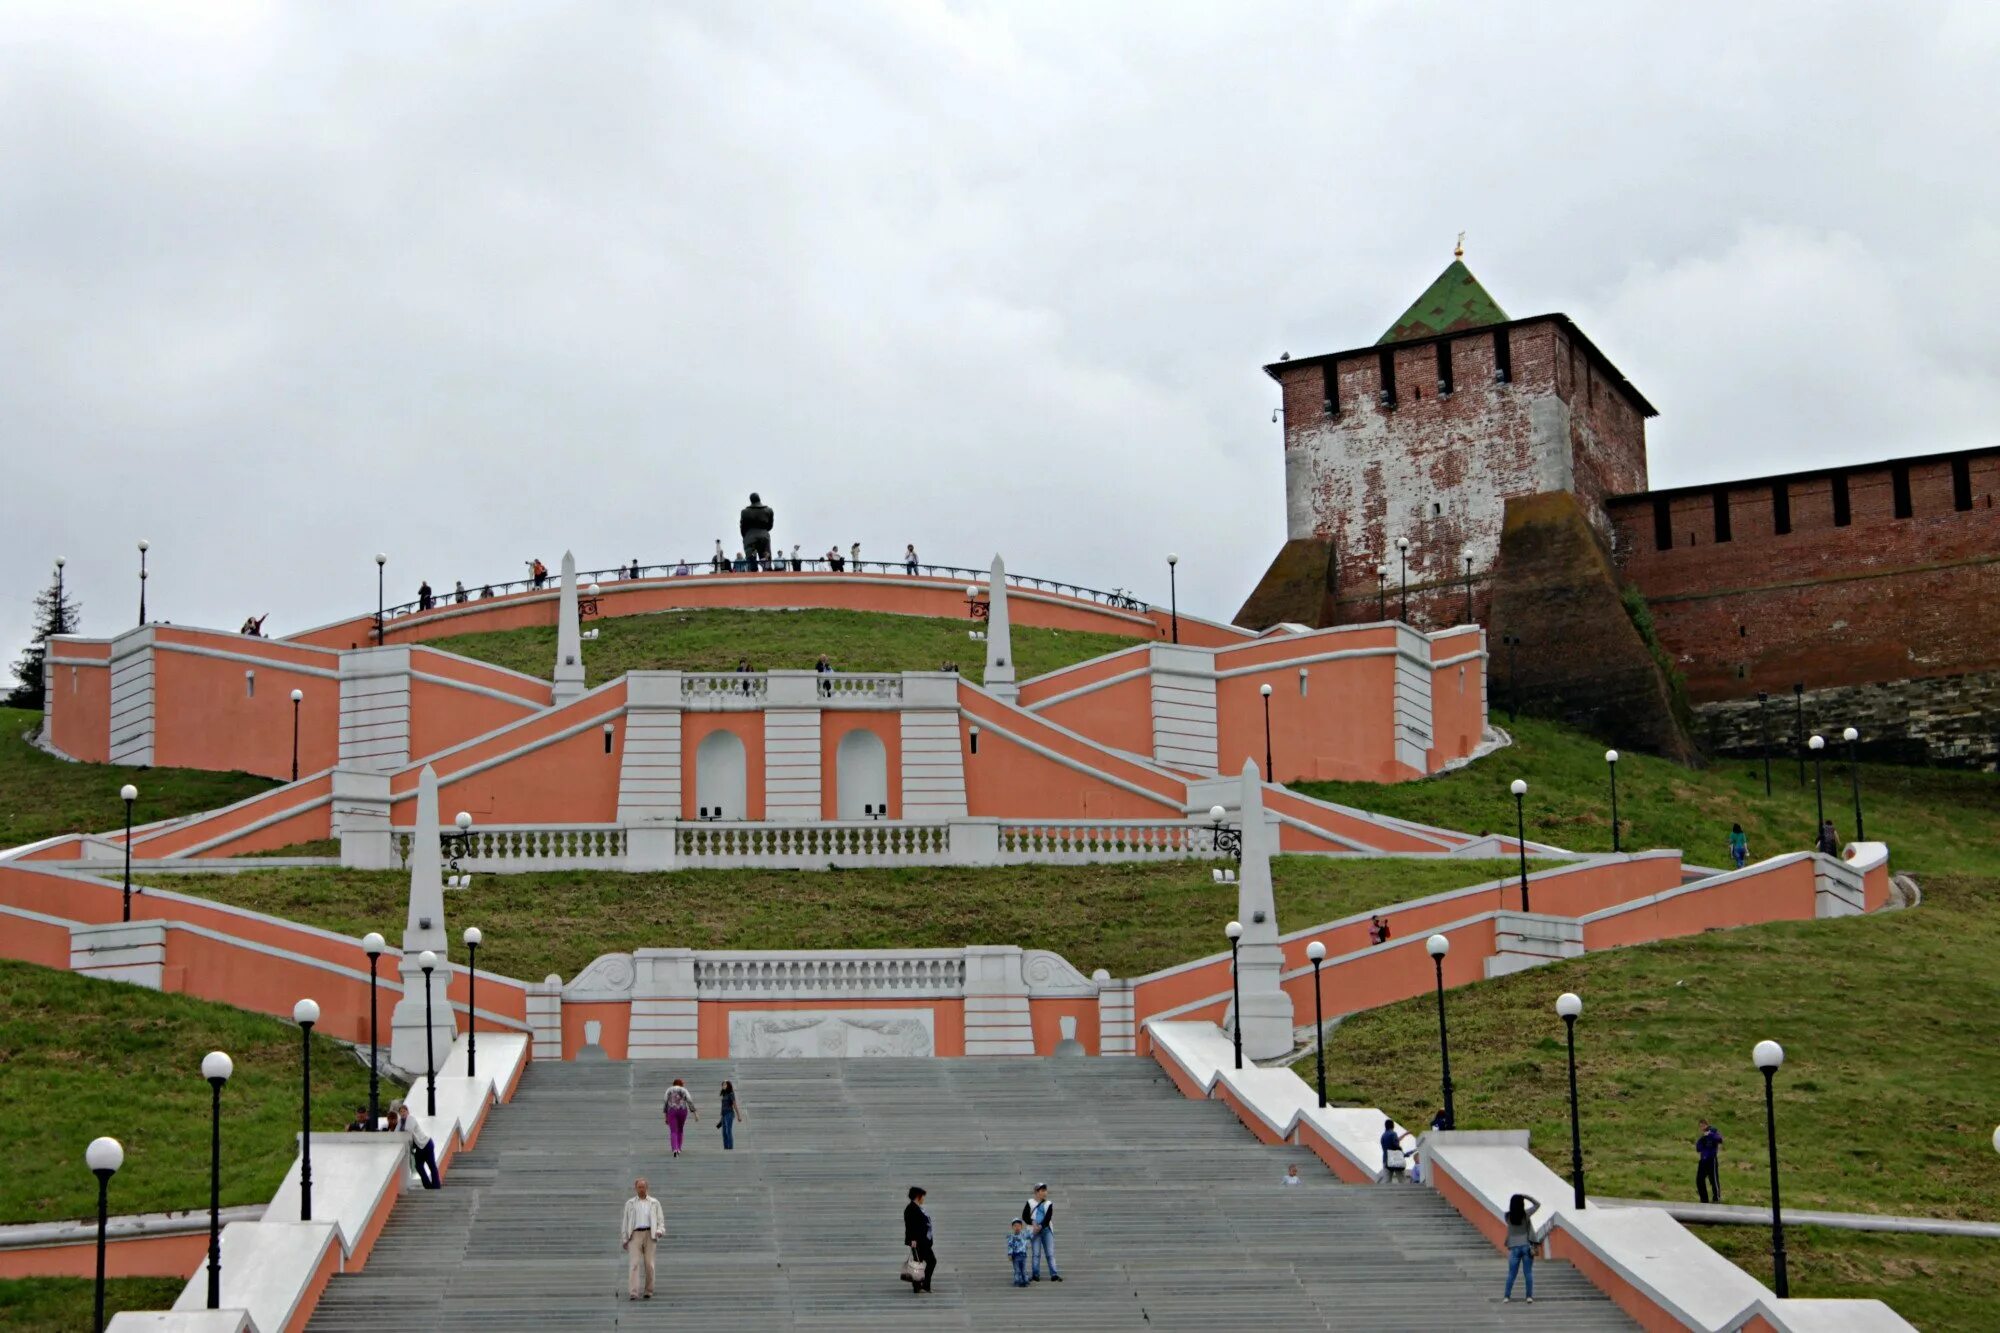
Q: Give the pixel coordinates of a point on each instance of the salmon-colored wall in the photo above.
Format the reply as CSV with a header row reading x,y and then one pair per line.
x,y
1118,715
590,712
1785,892
1458,711
1085,673
129,1256
888,728
80,703
1644,1311
470,671
1045,1017
1319,1145
1279,649
895,594
1342,728
615,1015
441,716
33,941
1008,780
748,727
1381,837
329,1264
300,826
712,1020
1483,1219
205,716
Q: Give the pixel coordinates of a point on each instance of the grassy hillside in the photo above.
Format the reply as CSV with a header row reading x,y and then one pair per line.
x,y
779,641
1886,1103
85,1057
41,796
65,1304
1129,919
1932,819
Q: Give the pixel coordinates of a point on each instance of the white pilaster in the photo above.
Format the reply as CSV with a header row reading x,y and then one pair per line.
x,y
569,640
423,929
664,1006
128,951
361,817
996,1002
1265,1015
791,764
375,709
131,698
933,766
544,1009
649,770
999,637
1413,699
1116,1033
1183,683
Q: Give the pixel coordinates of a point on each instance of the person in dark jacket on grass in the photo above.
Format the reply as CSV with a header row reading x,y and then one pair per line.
x,y
1707,1168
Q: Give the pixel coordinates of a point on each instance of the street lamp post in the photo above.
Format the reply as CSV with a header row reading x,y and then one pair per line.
x,y
216,1067
1269,775
1818,747
1403,556
374,944
428,961
1381,592
1569,1005
144,546
1468,587
128,794
298,697
1611,762
104,1157
1799,706
1234,930
305,1013
62,617
1316,951
1438,946
1853,738
1764,735
381,624
472,942
1768,1057
1173,597
1520,790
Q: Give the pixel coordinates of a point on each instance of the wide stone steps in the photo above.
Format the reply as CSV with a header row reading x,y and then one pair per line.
x,y
1169,1215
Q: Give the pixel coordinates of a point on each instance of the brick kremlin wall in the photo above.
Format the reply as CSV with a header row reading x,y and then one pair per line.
x,y
1951,721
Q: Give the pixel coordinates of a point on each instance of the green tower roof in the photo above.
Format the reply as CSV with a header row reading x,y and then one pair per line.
x,y
1455,301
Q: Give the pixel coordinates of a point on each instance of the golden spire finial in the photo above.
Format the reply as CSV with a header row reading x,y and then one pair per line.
x,y
1458,251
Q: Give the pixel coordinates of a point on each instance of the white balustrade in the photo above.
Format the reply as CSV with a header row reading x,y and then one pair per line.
x,y
1060,842
876,975
724,689
511,848
791,846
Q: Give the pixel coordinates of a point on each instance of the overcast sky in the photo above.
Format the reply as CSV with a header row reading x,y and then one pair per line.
x,y
284,285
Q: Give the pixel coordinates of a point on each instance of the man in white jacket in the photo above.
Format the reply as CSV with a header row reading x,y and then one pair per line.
x,y
641,1227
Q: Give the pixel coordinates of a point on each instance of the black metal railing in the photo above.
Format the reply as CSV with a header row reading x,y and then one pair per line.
x,y
1116,598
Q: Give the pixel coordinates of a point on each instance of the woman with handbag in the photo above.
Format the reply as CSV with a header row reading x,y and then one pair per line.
x,y
1393,1158
919,1236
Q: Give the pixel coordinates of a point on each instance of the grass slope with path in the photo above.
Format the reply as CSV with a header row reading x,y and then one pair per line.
x,y
1128,919
781,641
42,796
66,1304
84,1057
1889,1093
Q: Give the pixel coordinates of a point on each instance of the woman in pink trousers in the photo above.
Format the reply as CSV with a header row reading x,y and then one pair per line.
x,y
679,1110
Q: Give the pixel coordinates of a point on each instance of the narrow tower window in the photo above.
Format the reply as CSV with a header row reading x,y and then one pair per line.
x,y
1842,515
1961,483
1899,483
1781,508
1387,362
1332,372
1503,357
1444,366
1663,524
1722,515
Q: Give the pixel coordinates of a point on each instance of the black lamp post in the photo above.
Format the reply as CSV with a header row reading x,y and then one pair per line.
x,y
1569,1005
1381,592
1520,790
298,697
1853,738
1799,703
1769,1056
1403,556
144,546
381,624
1611,762
1317,953
128,794
104,1157
472,942
374,944
62,616
216,1067
1439,946
428,961
1269,776
1234,930
305,1013
1173,597
1764,734
1817,744
1468,587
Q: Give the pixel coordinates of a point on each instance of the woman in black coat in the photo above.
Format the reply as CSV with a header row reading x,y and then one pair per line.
x,y
918,1235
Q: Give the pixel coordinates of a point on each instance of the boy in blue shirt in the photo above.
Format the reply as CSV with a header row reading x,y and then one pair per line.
x,y
1017,1251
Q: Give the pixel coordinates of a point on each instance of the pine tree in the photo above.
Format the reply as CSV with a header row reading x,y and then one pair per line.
x,y
56,612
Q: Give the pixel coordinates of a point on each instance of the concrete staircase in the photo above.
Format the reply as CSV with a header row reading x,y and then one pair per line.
x,y
1169,1215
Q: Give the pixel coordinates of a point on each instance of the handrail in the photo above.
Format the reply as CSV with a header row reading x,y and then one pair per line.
x,y
1117,599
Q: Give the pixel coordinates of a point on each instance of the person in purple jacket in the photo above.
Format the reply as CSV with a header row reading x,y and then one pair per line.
x,y
1707,1173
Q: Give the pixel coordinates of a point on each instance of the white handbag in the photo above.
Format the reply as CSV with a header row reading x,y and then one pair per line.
x,y
1395,1159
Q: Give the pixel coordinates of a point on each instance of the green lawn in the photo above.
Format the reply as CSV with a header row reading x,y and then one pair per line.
x,y
85,1057
1932,819
779,641
1129,919
65,1304
1886,1103
41,795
